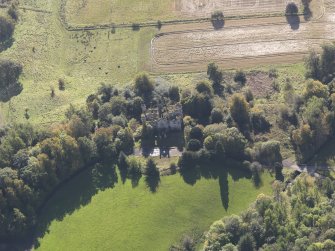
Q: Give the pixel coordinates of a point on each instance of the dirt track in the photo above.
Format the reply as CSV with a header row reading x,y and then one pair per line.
x,y
241,43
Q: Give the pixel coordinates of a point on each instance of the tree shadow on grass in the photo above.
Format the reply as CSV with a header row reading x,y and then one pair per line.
x,y
78,191
11,91
218,171
256,178
73,195
153,182
6,44
104,177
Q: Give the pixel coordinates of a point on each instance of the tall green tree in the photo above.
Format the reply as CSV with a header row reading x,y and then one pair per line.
x,y
239,110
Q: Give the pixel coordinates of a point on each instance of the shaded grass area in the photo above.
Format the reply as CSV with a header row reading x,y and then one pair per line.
x,y
118,216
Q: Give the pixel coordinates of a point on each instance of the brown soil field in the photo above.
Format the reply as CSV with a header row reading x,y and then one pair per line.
x,y
260,84
241,43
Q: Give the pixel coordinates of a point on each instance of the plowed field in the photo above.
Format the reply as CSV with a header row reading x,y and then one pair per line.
x,y
241,43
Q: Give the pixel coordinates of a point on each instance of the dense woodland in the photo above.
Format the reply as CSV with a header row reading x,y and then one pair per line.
x,y
300,218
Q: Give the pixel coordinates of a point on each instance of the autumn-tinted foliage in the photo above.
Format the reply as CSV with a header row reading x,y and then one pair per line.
x,y
301,218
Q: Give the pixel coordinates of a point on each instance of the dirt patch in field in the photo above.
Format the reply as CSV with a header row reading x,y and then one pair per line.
x,y
260,84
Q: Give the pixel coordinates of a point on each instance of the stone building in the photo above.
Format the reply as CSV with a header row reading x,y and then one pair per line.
x,y
164,118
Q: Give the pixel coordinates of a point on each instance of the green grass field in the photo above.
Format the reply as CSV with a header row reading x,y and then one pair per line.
x,y
91,12
126,218
83,59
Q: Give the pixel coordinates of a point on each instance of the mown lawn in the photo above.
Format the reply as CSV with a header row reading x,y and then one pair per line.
x,y
127,218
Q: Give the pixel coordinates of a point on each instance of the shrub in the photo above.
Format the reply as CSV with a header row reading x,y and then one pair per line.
x,y
213,129
198,106
240,77
217,16
188,244
286,115
216,76
273,73
328,62
239,110
233,225
143,85
174,93
12,12
196,133
216,116
120,121
61,84
194,145
247,243
173,168
234,143
135,26
204,87
259,122
268,153
159,24
315,88
106,92
249,96
275,86
209,143
313,66
113,29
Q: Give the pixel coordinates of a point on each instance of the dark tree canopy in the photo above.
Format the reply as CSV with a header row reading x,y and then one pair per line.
x,y
204,87
216,76
240,77
239,110
143,85
321,66
9,80
174,93
6,29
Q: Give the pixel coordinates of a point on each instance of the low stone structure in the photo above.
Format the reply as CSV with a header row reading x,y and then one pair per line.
x,y
164,118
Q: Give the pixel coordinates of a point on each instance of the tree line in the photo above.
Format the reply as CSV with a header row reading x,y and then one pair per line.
x,y
299,218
